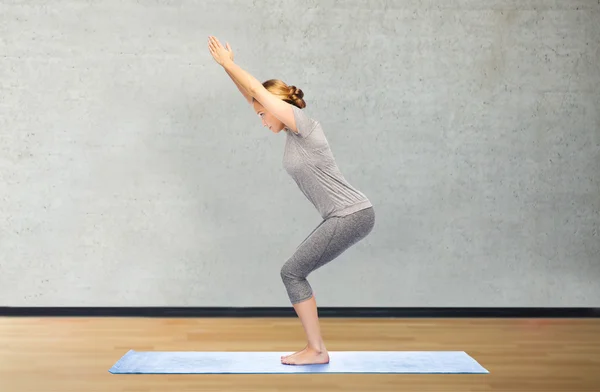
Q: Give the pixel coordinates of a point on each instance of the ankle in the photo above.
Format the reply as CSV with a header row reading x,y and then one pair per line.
x,y
319,347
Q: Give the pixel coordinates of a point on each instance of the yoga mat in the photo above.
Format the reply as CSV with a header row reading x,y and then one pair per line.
x,y
190,362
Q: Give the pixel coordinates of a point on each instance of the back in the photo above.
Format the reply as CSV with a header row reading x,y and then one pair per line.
x,y
308,159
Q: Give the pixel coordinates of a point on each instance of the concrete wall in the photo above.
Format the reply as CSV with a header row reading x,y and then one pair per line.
x,y
133,173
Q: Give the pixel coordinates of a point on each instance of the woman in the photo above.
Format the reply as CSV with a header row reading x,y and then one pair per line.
x,y
348,216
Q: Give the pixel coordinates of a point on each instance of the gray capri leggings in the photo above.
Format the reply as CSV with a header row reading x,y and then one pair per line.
x,y
329,240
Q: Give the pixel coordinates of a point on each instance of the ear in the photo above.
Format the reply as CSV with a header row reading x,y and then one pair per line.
x,y
280,109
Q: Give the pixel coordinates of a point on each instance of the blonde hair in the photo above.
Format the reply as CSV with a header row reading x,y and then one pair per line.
x,y
289,94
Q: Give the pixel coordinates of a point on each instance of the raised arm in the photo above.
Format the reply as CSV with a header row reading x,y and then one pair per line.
x,y
279,108
245,93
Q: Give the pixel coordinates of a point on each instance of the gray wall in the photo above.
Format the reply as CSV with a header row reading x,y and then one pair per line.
x,y
133,173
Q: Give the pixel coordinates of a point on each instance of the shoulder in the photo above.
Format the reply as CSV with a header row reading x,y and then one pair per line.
x,y
305,124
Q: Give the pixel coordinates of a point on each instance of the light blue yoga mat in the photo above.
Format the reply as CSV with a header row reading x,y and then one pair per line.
x,y
189,362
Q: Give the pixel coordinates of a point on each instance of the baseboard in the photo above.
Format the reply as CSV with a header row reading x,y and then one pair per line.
x,y
346,312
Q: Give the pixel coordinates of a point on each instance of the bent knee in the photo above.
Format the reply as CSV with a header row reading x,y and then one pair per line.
x,y
291,270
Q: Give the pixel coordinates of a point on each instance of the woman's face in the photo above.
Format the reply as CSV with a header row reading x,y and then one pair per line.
x,y
268,120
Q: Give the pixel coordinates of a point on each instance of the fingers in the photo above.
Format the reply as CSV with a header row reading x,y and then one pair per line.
x,y
216,48
214,41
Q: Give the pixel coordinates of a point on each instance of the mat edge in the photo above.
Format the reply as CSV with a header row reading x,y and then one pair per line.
x,y
116,366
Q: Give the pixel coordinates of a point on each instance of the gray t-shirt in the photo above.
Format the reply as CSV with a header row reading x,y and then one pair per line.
x,y
309,161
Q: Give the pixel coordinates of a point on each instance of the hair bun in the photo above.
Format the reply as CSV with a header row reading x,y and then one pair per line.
x,y
296,92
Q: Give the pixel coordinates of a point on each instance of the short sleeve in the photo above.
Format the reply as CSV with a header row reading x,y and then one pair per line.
x,y
304,124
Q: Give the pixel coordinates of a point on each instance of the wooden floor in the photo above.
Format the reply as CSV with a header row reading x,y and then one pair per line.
x,y
61,354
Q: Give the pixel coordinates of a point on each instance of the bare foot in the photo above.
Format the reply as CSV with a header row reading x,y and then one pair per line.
x,y
308,356
294,354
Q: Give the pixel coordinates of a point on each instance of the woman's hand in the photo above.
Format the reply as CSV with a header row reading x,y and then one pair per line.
x,y
219,53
